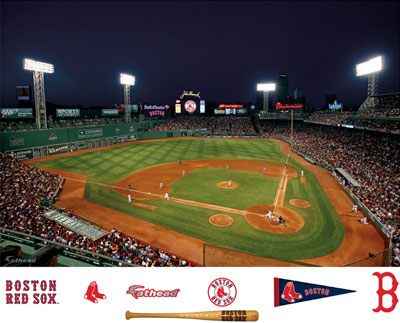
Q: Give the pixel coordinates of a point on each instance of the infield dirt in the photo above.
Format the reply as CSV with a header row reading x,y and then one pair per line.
x,y
359,239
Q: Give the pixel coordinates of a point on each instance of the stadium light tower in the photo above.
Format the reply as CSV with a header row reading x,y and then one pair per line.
x,y
127,80
370,68
38,69
266,88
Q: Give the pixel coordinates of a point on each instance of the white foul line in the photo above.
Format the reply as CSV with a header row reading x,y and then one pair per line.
x,y
282,182
178,200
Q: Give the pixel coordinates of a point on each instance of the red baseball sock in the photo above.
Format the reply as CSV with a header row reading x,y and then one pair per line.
x,y
96,292
286,295
293,292
89,293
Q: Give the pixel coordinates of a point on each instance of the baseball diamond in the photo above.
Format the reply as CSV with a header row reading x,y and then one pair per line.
x,y
316,228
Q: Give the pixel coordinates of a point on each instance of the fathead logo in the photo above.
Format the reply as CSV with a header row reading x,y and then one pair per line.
x,y
222,292
136,292
382,292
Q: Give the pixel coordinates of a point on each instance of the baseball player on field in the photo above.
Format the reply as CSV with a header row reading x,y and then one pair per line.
x,y
264,169
183,173
161,185
166,196
302,173
229,183
129,198
269,215
354,208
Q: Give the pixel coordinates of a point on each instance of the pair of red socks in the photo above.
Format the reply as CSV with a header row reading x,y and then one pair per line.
x,y
289,294
92,293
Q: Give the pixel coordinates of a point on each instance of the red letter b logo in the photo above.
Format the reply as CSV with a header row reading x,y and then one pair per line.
x,y
382,292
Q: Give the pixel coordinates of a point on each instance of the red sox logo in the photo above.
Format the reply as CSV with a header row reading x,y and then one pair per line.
x,y
289,293
190,106
222,292
391,292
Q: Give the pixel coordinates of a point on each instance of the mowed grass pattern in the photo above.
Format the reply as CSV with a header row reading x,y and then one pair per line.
x,y
201,185
321,235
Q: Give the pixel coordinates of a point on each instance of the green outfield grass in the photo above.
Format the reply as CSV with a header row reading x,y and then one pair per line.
x,y
201,185
321,235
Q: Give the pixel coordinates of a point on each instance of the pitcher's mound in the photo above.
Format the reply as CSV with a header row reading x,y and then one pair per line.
x,y
300,203
226,185
220,220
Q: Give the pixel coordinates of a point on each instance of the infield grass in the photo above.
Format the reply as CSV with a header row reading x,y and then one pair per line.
x,y
322,233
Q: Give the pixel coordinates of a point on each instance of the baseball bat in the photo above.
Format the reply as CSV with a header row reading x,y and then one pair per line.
x,y
239,316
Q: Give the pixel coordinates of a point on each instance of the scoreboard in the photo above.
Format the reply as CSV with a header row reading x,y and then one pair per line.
x,y
190,103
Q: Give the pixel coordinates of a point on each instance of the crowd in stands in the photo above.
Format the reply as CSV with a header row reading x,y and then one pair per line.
x,y
389,101
241,125
390,113
24,186
349,118
371,160
226,125
335,117
21,125
375,124
25,124
84,122
282,114
185,123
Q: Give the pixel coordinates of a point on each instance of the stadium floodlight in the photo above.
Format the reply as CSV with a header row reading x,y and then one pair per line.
x,y
126,79
374,65
38,69
31,65
370,68
266,87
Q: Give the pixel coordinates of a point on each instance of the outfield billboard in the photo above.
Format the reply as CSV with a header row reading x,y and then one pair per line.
x,y
15,113
109,112
66,113
157,111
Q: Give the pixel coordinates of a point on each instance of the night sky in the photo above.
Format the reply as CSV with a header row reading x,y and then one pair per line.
x,y
221,49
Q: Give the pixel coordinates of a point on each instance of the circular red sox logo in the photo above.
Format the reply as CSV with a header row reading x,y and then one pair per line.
x,y
222,292
190,106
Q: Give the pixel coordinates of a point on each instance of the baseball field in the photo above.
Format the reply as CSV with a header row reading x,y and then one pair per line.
x,y
219,193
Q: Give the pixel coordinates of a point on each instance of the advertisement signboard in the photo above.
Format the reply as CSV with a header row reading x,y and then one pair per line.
x,y
157,111
219,111
62,113
109,112
15,113
24,93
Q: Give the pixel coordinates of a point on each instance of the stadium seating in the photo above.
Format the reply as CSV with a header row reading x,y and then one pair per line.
x,y
25,187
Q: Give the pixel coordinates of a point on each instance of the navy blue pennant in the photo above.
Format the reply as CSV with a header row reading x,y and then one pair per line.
x,y
290,291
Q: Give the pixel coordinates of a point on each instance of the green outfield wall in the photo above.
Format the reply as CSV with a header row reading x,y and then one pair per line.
x,y
42,143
